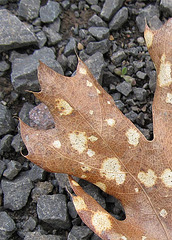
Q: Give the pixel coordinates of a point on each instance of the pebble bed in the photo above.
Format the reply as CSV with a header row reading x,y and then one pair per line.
x,y
108,37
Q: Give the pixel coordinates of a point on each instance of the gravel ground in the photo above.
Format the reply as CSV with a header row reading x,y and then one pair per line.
x,y
108,36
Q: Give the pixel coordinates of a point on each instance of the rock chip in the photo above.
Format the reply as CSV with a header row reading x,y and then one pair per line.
x,y
79,233
13,168
110,7
96,64
4,66
132,116
52,209
6,121
96,21
140,93
16,192
17,143
8,226
70,47
5,145
37,173
14,33
39,236
29,10
24,112
92,2
41,188
49,12
53,36
124,88
119,19
118,57
99,33
100,46
166,7
41,38
2,167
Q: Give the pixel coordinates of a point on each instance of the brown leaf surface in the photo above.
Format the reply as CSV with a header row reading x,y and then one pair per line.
x,y
93,140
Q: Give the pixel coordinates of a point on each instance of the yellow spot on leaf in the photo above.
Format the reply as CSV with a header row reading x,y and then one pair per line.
x,y
111,122
83,176
167,177
91,112
90,153
101,185
83,71
148,179
63,107
98,91
57,144
164,75
108,102
89,84
133,136
75,183
92,138
169,98
78,141
136,190
79,203
148,37
123,238
86,169
111,169
163,213
143,237
101,222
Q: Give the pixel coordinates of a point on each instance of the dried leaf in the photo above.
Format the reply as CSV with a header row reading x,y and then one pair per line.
x,y
93,140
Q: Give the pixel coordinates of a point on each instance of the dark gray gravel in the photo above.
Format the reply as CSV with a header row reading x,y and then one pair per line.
x,y
108,36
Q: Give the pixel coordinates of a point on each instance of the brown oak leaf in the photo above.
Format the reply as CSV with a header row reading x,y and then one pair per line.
x,y
94,141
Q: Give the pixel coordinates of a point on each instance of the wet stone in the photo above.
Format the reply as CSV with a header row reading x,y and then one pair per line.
x,y
52,209
49,12
99,33
110,7
13,168
16,192
29,10
79,233
7,226
6,121
14,33
124,88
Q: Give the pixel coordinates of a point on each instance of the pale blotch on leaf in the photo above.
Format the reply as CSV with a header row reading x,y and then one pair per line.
x,y
101,185
91,112
163,213
92,138
83,176
164,76
63,107
78,141
57,144
111,122
79,203
98,91
83,71
148,34
86,169
148,179
169,98
90,153
101,222
111,169
133,136
108,102
136,190
144,238
167,177
89,84
123,238
75,183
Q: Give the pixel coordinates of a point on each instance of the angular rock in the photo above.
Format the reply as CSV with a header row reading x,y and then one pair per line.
x,y
3,2
96,21
140,93
118,57
65,4
141,75
110,7
120,105
5,145
146,13
96,8
13,168
101,46
119,19
99,33
41,38
79,233
4,66
24,112
25,78
96,64
72,62
6,121
92,2
52,209
152,81
166,7
53,37
7,226
36,173
39,236
2,167
17,143
132,116
55,26
14,33
70,47
29,225
124,88
16,192
41,188
72,210
49,12
62,180
29,10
